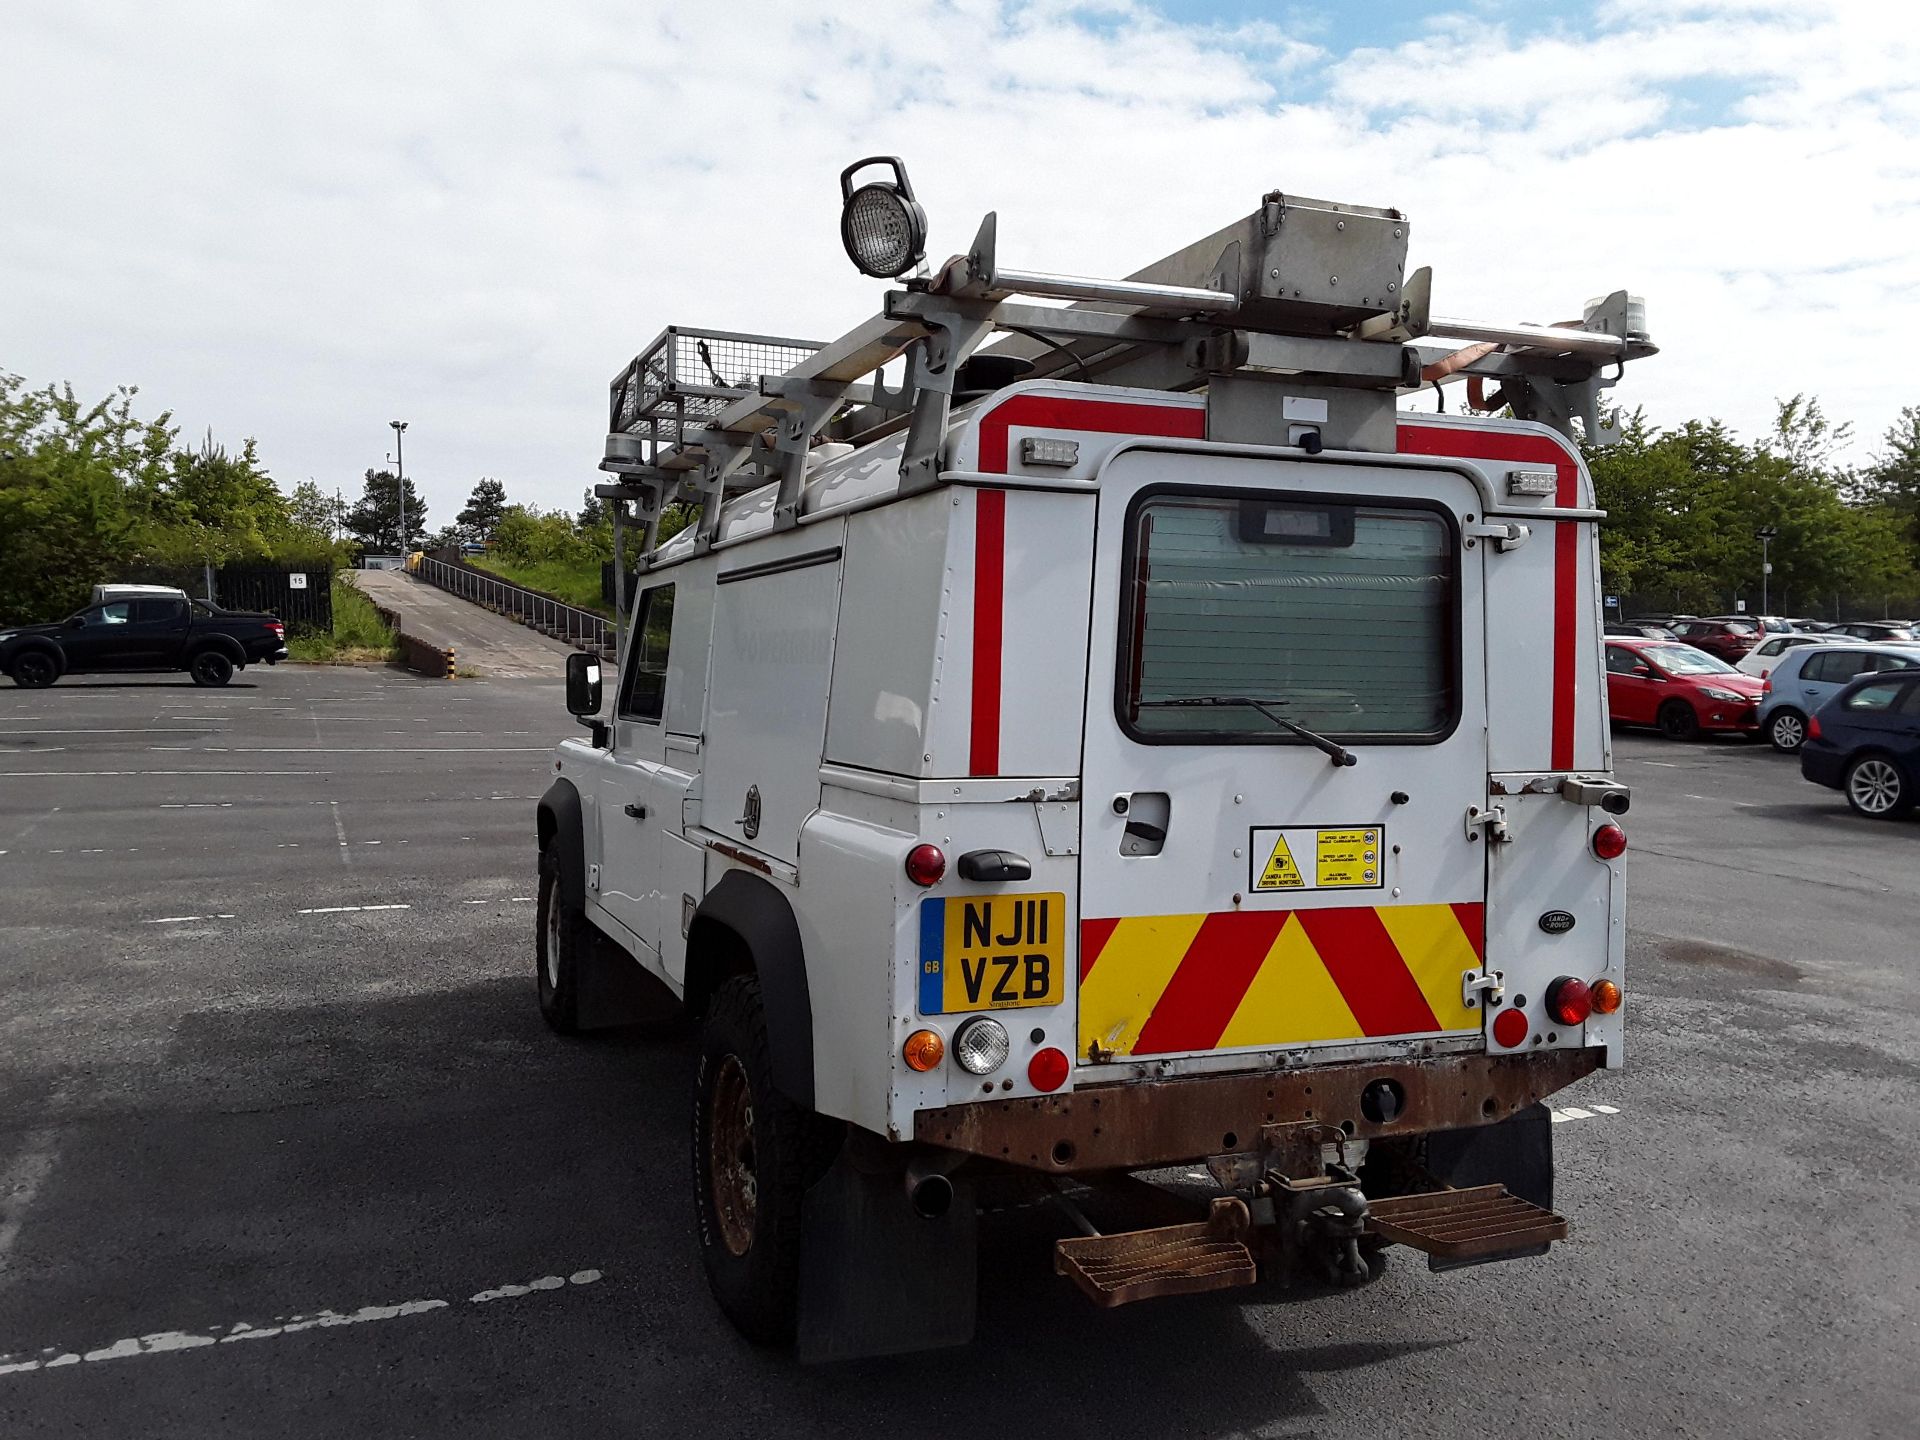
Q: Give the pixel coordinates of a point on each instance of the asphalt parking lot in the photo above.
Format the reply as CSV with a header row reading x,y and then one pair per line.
x,y
285,1150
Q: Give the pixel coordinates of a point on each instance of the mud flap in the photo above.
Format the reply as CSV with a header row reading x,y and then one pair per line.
x,y
875,1277
1516,1153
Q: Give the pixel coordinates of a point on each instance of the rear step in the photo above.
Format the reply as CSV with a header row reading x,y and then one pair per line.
x,y
1460,1225
1170,1260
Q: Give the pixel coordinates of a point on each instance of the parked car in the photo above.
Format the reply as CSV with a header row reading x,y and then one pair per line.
x,y
1723,639
1807,677
1865,743
1644,629
159,633
1681,690
1806,625
1763,657
1876,630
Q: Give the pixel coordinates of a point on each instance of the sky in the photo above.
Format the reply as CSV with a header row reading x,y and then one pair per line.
x,y
298,223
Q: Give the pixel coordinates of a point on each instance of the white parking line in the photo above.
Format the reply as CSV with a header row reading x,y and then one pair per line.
x,y
1580,1112
187,919
165,1342
348,909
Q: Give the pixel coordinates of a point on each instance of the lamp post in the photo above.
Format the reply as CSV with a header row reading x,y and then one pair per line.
x,y
1766,535
400,456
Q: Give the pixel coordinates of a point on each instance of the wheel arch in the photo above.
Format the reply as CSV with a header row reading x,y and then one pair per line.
x,y
559,826
746,926
225,644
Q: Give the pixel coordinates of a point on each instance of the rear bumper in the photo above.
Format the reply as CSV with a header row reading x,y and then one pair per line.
x,y
1130,1125
1822,766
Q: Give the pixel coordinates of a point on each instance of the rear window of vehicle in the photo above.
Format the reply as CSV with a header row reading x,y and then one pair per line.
x,y
147,612
1880,696
1342,617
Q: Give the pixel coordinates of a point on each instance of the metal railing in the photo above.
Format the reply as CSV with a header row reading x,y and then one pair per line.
x,y
582,629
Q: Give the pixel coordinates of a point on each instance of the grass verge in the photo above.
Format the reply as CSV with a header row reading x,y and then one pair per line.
x,y
577,584
359,635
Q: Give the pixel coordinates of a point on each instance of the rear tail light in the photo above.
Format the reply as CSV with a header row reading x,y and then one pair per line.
x,y
926,864
1048,1069
1767,688
1569,1000
1813,727
1605,996
278,629
1609,842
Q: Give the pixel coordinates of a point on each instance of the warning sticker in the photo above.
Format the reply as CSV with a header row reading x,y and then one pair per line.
x,y
1281,873
1345,857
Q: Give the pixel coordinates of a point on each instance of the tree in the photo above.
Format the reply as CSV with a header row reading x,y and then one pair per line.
x,y
314,509
388,513
485,506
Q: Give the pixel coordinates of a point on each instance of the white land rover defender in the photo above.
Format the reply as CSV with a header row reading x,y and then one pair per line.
x,y
1127,739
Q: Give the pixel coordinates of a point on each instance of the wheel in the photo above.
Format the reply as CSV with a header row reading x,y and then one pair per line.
x,y
1678,720
35,670
1876,788
1786,730
754,1152
559,938
210,667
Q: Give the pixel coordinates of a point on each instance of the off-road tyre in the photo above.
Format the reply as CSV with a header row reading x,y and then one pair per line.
x,y
1787,730
560,941
35,670
1878,788
1678,721
754,1154
210,667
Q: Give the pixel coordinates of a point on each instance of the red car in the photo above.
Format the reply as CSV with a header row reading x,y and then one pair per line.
x,y
1726,639
1681,690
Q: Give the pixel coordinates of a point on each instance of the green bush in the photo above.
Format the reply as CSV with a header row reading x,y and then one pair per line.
x,y
359,634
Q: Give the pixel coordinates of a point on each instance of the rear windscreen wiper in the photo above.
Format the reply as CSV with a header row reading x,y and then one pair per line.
x,y
1335,751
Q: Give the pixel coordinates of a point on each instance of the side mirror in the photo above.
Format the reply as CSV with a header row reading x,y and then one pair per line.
x,y
74,622
583,684
1643,669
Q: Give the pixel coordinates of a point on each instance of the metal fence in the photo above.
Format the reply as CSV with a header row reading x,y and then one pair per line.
x,y
582,629
301,596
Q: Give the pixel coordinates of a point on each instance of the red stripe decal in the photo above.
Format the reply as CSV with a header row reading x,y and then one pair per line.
x,y
1366,966
989,615
1566,578
1463,444
1094,935
1105,417
1472,916
1212,979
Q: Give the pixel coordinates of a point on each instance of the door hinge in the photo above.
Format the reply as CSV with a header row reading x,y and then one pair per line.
x,y
1493,820
593,878
1505,537
1475,984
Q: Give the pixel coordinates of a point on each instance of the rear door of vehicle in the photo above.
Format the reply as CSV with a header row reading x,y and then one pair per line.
x,y
153,636
1241,893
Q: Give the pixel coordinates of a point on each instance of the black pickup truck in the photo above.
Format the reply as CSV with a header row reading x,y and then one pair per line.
x,y
151,634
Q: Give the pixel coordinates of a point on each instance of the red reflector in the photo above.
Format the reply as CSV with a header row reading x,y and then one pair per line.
x,y
925,864
1510,1029
1569,1000
1609,842
1048,1069
1813,727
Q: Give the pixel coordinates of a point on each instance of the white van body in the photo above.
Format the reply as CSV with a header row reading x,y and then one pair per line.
x,y
103,594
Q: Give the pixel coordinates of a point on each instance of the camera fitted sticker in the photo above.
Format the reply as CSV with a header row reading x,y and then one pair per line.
x,y
1308,857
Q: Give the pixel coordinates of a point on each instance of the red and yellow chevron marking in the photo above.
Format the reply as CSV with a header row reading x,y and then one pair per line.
x,y
1169,984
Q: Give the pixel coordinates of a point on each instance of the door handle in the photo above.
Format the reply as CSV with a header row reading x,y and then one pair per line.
x,y
638,812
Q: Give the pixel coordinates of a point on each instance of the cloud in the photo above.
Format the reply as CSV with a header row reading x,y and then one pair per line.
x,y
298,224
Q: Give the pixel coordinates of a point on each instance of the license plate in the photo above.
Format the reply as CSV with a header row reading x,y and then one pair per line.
x,y
992,952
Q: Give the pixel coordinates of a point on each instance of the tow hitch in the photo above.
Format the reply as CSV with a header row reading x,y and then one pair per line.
x,y
1293,1210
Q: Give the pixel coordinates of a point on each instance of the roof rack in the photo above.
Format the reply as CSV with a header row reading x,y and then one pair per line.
x,y
1306,290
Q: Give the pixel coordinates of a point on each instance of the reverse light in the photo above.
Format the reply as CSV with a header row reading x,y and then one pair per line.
x,y
1569,1000
1605,996
924,1050
981,1046
1048,1069
926,864
1609,842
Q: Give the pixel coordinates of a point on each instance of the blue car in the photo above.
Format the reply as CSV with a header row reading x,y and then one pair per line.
x,y
1804,679
1865,742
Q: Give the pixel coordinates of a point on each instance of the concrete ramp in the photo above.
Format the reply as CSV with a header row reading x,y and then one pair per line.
x,y
483,643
